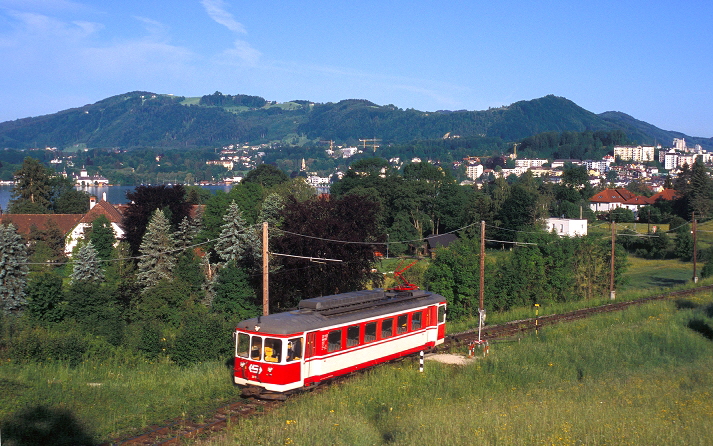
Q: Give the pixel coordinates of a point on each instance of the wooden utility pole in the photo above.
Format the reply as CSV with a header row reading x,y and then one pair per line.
x,y
481,308
265,275
695,247
612,292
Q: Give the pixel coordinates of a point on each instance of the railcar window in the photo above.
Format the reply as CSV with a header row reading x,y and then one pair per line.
x,y
334,341
416,320
370,332
273,349
401,323
256,348
353,336
441,313
387,328
243,345
294,349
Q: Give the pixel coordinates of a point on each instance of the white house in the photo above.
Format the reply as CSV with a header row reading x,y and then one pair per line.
x,y
96,209
567,227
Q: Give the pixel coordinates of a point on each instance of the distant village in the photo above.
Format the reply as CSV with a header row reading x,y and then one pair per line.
x,y
609,175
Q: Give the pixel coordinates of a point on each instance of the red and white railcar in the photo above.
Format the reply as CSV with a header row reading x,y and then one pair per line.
x,y
334,335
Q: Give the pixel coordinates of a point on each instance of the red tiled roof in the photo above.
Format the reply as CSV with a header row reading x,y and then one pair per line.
x,y
666,194
636,200
102,208
609,196
627,194
24,222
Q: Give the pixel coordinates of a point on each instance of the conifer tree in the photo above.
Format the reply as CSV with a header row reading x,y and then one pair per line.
x,y
237,241
86,265
13,270
271,210
188,229
157,259
103,237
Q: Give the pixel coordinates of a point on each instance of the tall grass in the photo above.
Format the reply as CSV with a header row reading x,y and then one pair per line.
x,y
114,399
635,377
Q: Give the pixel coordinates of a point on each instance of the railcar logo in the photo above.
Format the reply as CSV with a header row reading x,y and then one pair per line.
x,y
254,368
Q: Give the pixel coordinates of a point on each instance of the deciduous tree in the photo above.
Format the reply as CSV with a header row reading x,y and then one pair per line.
x,y
340,229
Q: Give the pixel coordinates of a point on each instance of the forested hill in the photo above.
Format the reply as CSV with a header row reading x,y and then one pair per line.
x,y
144,119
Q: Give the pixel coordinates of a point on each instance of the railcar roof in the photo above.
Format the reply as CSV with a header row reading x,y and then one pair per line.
x,y
340,309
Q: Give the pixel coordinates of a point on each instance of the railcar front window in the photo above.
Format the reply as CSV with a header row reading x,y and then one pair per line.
x,y
353,336
334,341
441,314
387,328
256,348
294,349
401,323
370,332
243,345
416,321
273,350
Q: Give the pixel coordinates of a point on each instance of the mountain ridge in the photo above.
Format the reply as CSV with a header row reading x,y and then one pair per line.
x,y
146,119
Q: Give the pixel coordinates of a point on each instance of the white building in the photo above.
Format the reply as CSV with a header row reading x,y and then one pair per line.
x,y
474,171
348,152
530,163
634,153
669,159
601,166
84,179
96,209
567,227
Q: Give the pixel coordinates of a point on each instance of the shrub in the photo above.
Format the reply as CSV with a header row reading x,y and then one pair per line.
x,y
44,298
203,338
60,343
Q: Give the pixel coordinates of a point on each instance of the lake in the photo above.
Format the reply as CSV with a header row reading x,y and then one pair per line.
x,y
114,194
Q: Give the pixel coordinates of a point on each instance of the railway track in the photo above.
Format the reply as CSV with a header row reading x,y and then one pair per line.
x,y
179,430
515,328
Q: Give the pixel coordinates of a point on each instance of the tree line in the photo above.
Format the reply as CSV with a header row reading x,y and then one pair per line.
x,y
189,265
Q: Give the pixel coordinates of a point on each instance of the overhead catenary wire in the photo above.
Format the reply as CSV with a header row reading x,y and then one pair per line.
x,y
371,243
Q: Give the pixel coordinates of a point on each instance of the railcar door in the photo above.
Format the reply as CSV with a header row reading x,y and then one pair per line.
x,y
310,352
441,321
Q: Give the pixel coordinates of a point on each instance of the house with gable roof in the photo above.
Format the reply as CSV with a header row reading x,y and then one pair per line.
x,y
96,208
72,226
610,199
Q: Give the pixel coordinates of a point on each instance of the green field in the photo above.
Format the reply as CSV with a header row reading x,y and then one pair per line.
x,y
631,377
636,377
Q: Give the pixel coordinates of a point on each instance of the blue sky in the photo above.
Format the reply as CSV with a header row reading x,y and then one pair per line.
x,y
650,59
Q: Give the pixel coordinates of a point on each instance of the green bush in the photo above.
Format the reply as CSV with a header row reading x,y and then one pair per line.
x,y
60,343
203,338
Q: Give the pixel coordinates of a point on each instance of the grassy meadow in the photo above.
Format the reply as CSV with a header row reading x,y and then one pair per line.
x,y
631,377
636,377
113,399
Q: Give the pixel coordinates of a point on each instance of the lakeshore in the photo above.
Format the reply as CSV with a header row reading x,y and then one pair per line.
x,y
114,194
